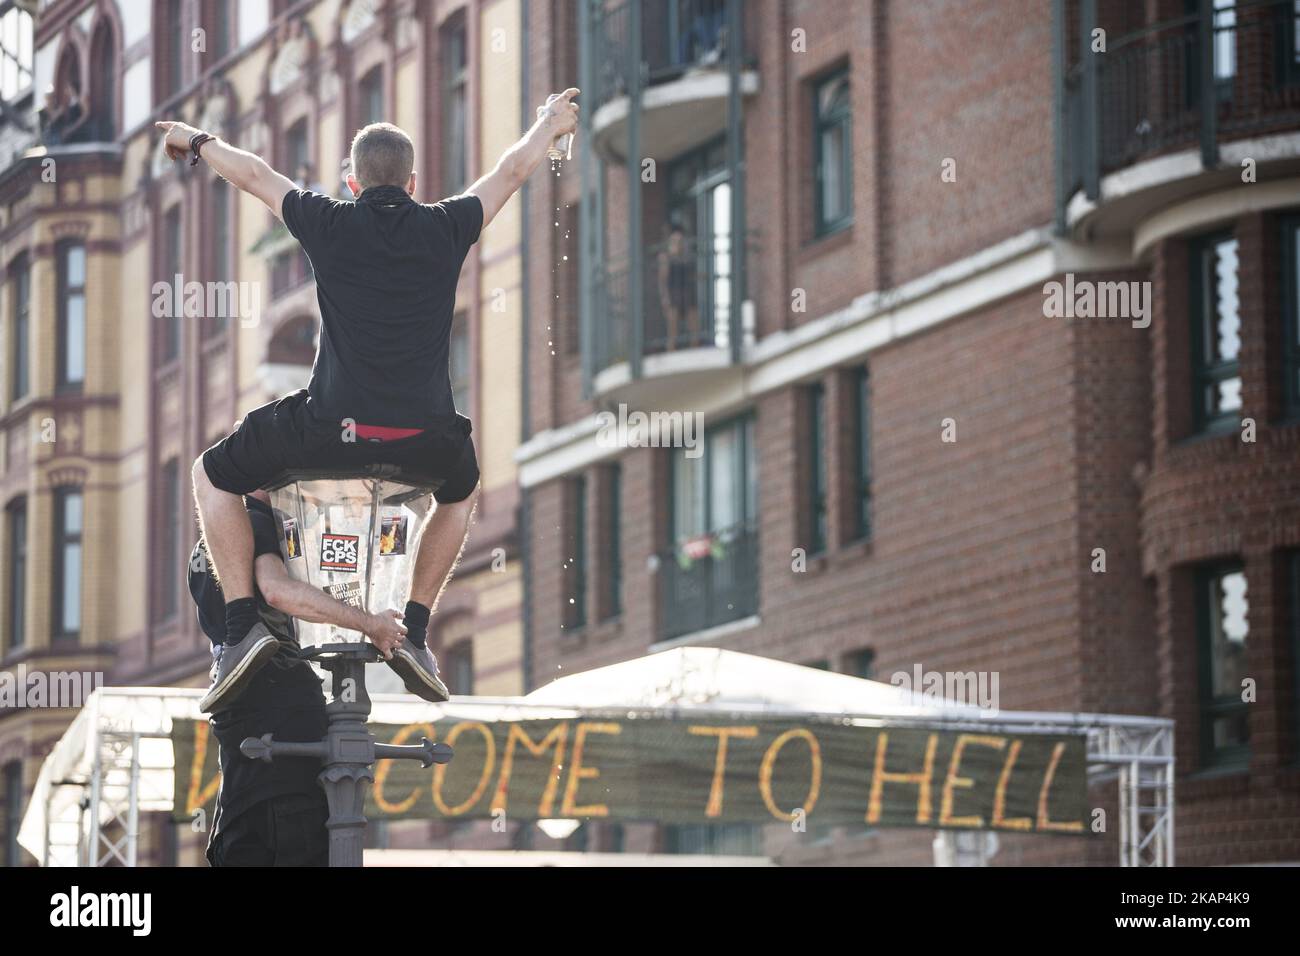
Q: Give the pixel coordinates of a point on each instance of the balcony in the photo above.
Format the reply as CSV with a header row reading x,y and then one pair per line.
x,y
662,290
662,72
708,581
1149,121
684,324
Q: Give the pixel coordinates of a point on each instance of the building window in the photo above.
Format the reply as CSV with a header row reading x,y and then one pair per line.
x,y
611,550
297,153
459,660
1225,41
220,25
1291,303
694,261
1291,47
20,351
460,364
16,583
575,558
103,85
710,575
815,396
72,316
15,53
718,839
173,30
219,264
832,154
455,106
1223,627
67,563
1216,333
861,663
717,490
167,549
11,776
862,453
370,99
1294,611
169,333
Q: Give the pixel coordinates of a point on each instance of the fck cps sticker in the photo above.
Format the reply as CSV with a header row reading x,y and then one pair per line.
x,y
338,552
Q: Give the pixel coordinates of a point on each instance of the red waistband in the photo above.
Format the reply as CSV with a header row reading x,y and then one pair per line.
x,y
384,433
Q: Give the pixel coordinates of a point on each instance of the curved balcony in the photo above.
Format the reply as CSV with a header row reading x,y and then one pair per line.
x,y
685,332
1172,109
661,72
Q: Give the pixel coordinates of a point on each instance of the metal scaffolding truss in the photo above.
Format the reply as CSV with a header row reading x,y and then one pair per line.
x,y
1139,754
113,804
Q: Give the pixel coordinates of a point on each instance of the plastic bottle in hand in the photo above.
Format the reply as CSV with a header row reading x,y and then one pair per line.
x,y
562,148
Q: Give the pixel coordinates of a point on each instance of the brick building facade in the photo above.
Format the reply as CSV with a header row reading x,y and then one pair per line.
x,y
909,462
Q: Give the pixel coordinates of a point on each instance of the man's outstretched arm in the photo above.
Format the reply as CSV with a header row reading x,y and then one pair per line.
x,y
520,160
242,169
299,599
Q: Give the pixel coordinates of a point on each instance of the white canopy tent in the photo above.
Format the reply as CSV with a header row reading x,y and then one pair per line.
x,y
115,760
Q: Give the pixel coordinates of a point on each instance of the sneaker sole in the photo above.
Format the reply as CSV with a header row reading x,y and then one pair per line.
x,y
416,679
262,651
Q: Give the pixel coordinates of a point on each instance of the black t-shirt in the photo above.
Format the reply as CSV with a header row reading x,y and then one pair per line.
x,y
284,698
386,271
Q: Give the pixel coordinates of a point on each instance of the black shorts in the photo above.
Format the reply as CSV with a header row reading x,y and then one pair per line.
x,y
283,441
288,830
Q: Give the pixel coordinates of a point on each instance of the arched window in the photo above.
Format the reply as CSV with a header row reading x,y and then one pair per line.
x,y
103,84
65,111
171,48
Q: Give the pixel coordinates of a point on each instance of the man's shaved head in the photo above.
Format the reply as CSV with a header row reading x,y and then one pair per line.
x,y
382,155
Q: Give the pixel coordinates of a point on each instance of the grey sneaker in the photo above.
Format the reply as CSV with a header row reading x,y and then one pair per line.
x,y
235,665
418,670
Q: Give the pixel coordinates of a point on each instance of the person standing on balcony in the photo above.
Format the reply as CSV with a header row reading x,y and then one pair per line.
x,y
386,272
677,289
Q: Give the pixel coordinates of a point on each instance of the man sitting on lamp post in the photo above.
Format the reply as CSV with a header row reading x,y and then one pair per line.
x,y
386,271
273,814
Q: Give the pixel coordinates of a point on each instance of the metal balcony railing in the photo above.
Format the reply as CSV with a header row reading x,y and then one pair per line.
x,y
686,289
666,39
708,580
1214,74
636,299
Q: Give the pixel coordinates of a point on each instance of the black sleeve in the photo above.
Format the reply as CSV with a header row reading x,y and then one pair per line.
x,y
464,218
305,215
266,534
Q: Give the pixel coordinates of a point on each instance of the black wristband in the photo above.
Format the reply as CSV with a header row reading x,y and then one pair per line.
x,y
196,144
